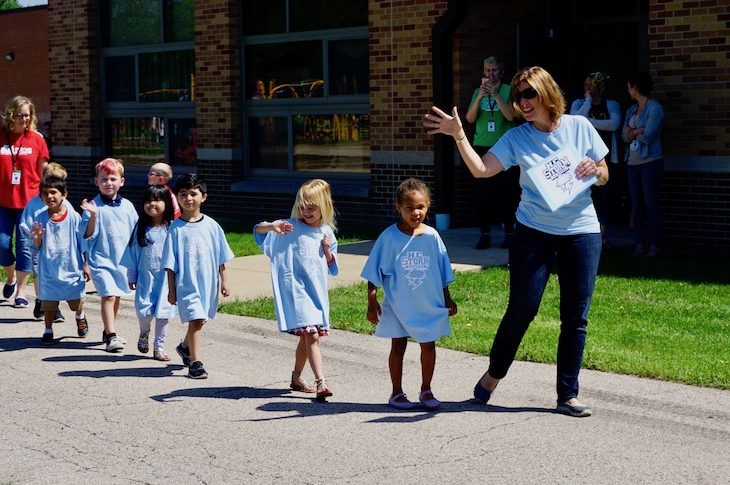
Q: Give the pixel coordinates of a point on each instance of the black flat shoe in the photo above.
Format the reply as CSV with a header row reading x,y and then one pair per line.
x,y
577,411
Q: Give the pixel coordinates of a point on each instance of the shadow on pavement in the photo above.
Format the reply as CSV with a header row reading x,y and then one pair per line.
x,y
390,415
130,372
223,393
20,343
105,357
9,321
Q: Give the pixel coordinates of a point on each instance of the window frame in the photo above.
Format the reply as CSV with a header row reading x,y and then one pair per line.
x,y
289,107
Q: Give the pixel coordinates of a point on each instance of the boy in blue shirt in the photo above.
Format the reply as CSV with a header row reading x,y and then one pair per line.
x,y
57,240
107,223
194,257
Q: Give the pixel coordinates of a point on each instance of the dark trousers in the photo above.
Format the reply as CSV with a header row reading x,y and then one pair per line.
x,y
645,182
497,197
531,258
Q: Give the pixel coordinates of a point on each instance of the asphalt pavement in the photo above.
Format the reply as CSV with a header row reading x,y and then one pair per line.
x,y
76,414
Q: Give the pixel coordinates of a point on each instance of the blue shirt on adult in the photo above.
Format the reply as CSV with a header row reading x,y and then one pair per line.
x,y
526,146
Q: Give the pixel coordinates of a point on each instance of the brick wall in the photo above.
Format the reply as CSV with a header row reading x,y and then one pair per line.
x,y
75,91
25,33
401,90
689,53
218,97
697,210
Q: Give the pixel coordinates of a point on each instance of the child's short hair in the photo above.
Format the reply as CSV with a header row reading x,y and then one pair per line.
x,y
55,169
109,166
54,182
410,185
164,169
189,181
315,192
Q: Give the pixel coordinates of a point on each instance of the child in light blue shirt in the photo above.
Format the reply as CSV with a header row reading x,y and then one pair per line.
x,y
145,274
303,253
58,243
108,222
194,258
33,209
409,260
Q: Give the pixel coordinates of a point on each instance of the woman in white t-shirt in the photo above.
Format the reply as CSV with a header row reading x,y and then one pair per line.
x,y
570,233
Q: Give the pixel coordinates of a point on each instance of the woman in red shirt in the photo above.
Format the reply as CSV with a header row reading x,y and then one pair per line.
x,y
23,153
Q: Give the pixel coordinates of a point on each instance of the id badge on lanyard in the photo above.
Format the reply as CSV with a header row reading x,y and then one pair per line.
x,y
634,147
15,178
491,126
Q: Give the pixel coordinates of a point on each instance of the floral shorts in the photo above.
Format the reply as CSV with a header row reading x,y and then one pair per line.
x,y
318,329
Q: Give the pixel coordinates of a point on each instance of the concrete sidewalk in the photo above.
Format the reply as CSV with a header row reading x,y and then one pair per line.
x,y
73,413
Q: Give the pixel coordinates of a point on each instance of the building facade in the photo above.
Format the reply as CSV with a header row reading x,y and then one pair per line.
x,y
258,96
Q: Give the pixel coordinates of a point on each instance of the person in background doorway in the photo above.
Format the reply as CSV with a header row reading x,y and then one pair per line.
x,y
642,132
491,111
605,116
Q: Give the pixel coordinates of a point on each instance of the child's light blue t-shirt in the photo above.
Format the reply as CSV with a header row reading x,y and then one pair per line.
x,y
413,271
106,245
60,261
194,251
526,146
144,268
32,209
299,273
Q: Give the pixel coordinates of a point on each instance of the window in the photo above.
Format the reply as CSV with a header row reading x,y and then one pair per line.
x,y
149,81
306,86
144,140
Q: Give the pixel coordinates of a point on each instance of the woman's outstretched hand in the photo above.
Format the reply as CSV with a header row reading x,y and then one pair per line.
x,y
437,121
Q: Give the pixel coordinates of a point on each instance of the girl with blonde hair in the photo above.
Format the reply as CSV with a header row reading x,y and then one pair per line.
x,y
303,252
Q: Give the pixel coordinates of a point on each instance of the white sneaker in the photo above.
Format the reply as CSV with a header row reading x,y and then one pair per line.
x,y
114,344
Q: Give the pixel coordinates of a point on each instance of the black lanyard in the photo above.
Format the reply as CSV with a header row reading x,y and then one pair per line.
x,y
11,146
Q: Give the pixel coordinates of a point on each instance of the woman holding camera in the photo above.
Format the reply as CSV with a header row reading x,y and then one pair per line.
x,y
492,112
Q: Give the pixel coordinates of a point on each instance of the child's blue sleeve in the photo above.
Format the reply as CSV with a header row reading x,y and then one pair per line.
x,y
371,271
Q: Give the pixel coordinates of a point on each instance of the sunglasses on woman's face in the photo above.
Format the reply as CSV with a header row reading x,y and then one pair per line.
x,y
527,93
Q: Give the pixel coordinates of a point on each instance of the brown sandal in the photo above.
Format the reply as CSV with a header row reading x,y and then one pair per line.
x,y
299,384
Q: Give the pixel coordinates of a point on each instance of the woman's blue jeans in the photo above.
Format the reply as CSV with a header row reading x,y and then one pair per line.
x,y
531,259
9,222
645,182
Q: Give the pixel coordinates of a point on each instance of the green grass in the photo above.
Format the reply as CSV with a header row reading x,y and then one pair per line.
x,y
664,318
240,237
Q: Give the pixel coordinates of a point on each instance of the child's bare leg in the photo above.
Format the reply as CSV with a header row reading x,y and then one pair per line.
x,y
395,363
300,356
192,338
311,342
428,364
108,314
48,317
117,299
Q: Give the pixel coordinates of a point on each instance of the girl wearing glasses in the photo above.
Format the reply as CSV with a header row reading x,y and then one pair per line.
x,y
570,233
23,154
